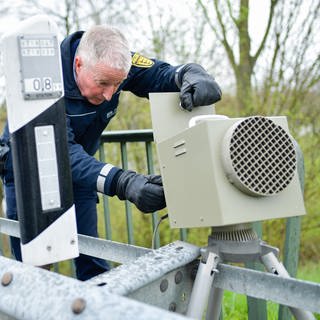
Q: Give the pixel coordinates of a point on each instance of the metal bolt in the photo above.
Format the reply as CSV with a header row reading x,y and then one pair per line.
x,y
7,279
173,307
164,285
178,277
49,248
72,242
78,305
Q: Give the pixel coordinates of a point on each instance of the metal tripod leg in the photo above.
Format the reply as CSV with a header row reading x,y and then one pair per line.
x,y
214,304
202,286
274,266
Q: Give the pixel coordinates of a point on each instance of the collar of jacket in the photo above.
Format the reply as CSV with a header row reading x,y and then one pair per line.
x,y
68,48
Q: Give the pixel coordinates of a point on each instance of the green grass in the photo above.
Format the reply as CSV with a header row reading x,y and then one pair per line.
x,y
309,272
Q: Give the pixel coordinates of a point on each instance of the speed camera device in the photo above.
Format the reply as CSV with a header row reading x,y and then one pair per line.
x,y
36,118
221,171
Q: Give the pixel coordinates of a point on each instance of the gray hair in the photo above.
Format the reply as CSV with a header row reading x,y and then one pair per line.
x,y
105,44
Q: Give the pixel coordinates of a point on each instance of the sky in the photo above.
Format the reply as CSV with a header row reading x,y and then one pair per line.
x,y
258,10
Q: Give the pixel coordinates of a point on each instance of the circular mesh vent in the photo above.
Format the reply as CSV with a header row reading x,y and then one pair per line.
x,y
259,156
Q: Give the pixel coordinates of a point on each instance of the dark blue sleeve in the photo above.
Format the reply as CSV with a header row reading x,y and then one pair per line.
x,y
159,77
86,170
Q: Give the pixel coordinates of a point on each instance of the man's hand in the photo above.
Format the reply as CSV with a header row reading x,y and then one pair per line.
x,y
197,87
146,192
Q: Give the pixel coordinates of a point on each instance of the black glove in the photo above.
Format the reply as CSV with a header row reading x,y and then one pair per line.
x,y
4,150
197,87
146,192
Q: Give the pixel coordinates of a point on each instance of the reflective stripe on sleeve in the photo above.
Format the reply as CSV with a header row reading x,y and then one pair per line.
x,y
102,177
176,76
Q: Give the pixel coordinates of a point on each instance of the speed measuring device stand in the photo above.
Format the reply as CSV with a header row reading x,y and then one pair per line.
x,y
226,173
37,126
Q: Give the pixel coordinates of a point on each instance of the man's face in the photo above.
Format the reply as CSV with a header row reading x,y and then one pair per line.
x,y
97,83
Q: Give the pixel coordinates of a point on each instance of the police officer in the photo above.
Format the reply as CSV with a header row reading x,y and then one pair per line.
x,y
97,67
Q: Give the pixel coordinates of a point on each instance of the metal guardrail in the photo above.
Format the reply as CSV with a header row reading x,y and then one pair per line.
x,y
123,137
145,276
33,293
305,295
105,249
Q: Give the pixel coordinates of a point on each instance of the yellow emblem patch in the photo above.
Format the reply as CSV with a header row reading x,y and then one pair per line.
x,y
140,61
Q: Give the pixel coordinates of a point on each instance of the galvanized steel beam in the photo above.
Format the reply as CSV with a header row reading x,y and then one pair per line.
x,y
110,250
141,272
9,227
162,278
170,292
104,249
128,278
32,293
287,291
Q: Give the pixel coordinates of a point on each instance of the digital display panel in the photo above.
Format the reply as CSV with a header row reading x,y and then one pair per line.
x,y
40,69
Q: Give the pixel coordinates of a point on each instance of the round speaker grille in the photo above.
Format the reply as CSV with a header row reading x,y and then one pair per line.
x,y
259,156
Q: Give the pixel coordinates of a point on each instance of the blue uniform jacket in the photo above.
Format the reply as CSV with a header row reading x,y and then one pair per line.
x,y
86,122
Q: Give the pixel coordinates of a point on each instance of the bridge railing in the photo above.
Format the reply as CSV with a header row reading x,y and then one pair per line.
x,y
124,138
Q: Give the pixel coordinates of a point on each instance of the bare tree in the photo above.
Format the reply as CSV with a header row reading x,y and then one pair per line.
x,y
282,61
73,15
295,67
177,34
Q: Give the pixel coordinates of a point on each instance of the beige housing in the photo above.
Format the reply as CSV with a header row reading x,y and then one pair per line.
x,y
197,186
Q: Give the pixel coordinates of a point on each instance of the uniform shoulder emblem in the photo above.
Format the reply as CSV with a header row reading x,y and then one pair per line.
x,y
140,61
